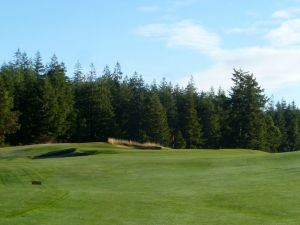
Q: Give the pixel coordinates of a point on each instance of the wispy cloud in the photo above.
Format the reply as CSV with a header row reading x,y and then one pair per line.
x,y
182,34
286,13
276,65
264,25
273,68
281,14
287,34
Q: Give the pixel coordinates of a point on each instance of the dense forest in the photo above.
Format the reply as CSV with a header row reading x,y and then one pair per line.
x,y
39,103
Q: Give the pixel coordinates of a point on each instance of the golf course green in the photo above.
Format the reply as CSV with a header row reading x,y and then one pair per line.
x,y
97,183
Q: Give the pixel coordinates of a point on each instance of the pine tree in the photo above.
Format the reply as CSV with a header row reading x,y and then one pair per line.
x,y
222,104
39,104
210,120
92,75
165,92
155,120
178,140
124,109
292,128
273,135
78,74
189,121
95,116
38,64
47,111
136,108
113,82
29,105
106,72
102,115
8,118
247,118
79,127
118,74
25,98
58,99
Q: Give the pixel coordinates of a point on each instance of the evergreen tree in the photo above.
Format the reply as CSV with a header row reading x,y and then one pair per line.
x,y
47,112
25,99
58,96
8,118
85,96
113,82
155,120
247,117
95,117
165,92
102,115
39,68
29,104
124,110
178,140
78,74
107,72
292,128
273,135
189,121
210,120
117,74
40,104
79,127
279,119
136,108
222,109
92,75
286,118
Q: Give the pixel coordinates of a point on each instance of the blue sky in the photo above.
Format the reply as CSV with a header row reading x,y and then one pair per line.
x,y
172,38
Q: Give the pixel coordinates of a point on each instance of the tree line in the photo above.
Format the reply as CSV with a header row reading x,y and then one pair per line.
x,y
39,103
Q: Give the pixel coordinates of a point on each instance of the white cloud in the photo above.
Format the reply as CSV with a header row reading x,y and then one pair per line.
x,y
275,65
149,8
281,14
216,76
183,34
264,25
286,13
287,34
273,68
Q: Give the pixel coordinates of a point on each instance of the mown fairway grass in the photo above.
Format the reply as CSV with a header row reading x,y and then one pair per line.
x,y
123,186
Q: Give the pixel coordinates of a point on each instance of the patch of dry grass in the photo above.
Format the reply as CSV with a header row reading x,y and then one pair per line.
x,y
134,144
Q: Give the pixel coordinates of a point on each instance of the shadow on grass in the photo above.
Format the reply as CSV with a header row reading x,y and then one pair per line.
x,y
71,152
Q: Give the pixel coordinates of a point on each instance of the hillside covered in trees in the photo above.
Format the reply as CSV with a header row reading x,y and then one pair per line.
x,y
39,103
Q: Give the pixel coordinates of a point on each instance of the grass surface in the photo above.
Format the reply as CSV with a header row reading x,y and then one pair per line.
x,y
123,186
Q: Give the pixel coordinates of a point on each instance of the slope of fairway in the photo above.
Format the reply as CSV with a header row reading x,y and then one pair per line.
x,y
126,186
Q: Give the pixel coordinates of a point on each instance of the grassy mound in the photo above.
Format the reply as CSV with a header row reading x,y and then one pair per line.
x,y
124,186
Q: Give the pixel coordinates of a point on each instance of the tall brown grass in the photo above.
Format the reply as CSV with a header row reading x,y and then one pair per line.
x,y
134,144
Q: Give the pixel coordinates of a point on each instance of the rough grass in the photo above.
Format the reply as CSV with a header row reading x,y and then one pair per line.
x,y
123,186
